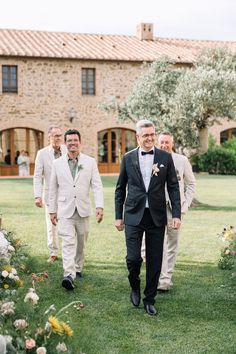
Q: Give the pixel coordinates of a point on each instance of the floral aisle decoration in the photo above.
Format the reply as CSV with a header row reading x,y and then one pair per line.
x,y
228,252
24,329
13,264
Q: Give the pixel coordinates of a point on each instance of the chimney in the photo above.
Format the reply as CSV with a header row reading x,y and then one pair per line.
x,y
144,31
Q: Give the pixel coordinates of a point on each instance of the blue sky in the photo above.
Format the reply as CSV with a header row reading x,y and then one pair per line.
x,y
193,19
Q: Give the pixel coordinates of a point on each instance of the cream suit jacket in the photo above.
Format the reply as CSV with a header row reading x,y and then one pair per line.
x,y
43,167
67,194
187,182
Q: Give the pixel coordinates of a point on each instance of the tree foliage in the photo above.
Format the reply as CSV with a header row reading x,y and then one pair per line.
x,y
183,100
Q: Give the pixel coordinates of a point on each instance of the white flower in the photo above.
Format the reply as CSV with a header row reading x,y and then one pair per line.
x,y
13,271
155,169
11,276
5,273
31,296
41,350
61,347
20,324
7,308
11,248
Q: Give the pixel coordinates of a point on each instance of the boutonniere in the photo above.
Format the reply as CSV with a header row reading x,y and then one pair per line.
x,y
155,169
80,167
177,174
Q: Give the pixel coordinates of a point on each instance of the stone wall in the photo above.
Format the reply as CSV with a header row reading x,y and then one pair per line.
x,y
49,88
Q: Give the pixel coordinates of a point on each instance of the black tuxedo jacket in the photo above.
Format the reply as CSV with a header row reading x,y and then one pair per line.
x,y
130,194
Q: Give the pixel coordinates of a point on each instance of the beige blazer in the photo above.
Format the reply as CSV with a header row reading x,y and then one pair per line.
x,y
67,194
43,167
187,182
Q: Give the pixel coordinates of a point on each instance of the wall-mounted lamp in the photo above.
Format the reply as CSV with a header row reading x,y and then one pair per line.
x,y
72,114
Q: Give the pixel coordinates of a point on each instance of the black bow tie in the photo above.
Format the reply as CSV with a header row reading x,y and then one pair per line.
x,y
151,152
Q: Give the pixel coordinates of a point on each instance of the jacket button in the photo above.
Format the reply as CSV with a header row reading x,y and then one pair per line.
x,y
75,196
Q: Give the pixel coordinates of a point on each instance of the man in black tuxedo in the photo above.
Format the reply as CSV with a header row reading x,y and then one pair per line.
x,y
144,173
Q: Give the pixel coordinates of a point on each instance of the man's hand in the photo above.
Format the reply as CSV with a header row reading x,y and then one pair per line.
x,y
99,214
53,217
119,224
38,202
175,224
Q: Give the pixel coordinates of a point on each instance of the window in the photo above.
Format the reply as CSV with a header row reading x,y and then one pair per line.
x,y
88,81
9,78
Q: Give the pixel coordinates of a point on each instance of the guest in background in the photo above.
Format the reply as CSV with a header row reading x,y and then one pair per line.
x,y
7,157
43,167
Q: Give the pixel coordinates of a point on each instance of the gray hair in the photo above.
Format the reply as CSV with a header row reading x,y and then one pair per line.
x,y
143,123
166,133
51,128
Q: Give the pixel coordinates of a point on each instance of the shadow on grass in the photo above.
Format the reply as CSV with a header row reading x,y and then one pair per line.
x,y
203,206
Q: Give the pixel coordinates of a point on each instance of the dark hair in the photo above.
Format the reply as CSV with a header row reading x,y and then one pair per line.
x,y
70,132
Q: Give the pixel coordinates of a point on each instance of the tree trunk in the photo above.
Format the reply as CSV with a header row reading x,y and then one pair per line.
x,y
203,140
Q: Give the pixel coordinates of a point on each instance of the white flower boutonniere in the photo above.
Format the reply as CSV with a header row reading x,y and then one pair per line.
x,y
155,169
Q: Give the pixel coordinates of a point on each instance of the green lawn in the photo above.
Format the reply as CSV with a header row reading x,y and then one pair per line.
x,y
197,316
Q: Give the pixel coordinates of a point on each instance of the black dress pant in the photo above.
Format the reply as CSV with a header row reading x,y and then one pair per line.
x,y
154,237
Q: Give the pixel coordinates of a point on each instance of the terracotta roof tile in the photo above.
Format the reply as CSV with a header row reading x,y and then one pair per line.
x,y
26,43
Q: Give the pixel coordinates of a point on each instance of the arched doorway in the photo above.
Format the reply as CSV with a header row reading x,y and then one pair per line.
x,y
17,139
227,134
112,145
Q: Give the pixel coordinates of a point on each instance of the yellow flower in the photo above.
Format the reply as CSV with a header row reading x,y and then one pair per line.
x,y
8,268
67,329
6,286
55,325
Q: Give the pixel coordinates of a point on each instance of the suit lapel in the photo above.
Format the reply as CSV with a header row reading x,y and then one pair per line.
x,y
155,160
66,167
135,162
81,163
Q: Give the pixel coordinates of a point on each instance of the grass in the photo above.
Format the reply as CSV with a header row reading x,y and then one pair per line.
x,y
197,316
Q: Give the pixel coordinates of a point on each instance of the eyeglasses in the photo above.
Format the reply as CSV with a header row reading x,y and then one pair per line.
x,y
145,136
57,136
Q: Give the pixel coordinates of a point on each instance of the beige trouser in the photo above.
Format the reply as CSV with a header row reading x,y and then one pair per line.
x,y
52,239
169,252
170,248
74,233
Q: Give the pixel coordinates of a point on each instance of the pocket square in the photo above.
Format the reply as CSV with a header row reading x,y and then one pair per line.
x,y
162,165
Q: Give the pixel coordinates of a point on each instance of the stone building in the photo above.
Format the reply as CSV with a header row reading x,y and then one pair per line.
x,y
61,78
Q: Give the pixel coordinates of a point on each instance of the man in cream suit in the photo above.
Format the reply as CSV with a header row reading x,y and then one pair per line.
x,y
72,177
187,186
43,166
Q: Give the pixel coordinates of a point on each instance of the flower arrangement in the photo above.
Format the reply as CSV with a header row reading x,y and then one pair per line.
x,y
48,333
228,253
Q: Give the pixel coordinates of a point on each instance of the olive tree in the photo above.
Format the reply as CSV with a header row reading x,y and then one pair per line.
x,y
183,100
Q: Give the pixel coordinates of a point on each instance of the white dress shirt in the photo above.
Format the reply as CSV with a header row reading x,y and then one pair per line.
x,y
146,163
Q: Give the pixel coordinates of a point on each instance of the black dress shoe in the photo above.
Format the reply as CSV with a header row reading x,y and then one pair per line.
x,y
68,283
150,309
135,297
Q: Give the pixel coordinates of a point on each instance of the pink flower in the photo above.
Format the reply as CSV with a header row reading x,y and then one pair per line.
x,y
227,252
30,343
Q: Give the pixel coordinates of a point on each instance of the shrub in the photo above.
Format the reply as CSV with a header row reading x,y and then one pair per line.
x,y
218,159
